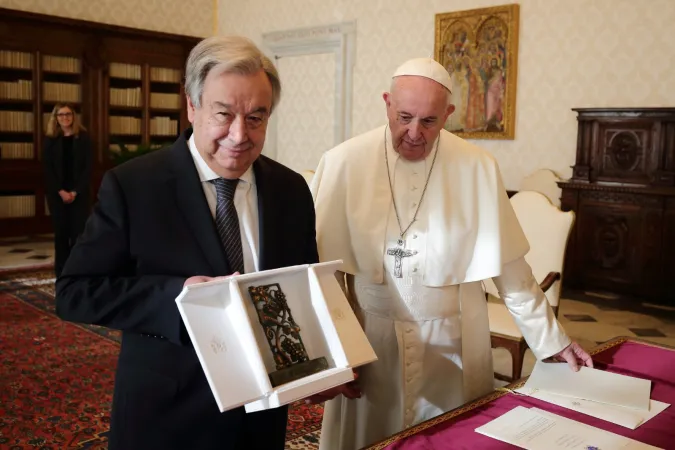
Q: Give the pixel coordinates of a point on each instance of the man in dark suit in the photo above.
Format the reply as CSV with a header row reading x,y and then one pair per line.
x,y
208,206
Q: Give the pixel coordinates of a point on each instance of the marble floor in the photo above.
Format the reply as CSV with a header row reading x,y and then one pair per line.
x,y
26,252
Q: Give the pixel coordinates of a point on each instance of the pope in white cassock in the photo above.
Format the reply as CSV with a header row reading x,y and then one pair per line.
x,y
420,217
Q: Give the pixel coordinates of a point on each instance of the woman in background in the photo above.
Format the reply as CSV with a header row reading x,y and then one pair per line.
x,y
67,159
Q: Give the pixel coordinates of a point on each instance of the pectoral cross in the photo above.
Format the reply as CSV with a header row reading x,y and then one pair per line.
x,y
399,253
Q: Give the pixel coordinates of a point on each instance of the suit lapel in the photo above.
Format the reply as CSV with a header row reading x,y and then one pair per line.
x,y
267,211
193,206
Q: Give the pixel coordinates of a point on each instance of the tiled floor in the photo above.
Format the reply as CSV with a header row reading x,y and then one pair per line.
x,y
591,324
25,252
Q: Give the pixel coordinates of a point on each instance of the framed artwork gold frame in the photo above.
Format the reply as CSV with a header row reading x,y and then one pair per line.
x,y
479,48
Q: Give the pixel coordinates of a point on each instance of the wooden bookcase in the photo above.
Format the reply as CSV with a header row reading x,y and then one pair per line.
x,y
127,85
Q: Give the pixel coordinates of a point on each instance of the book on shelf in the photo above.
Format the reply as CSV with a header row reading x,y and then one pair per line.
x,y
125,125
46,117
16,90
128,71
163,126
60,64
16,150
125,96
164,101
165,75
16,121
17,206
61,92
16,60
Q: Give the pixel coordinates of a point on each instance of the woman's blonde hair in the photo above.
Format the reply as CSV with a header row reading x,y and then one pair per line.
x,y
53,127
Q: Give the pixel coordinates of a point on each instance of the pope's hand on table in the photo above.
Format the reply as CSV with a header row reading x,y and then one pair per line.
x,y
572,354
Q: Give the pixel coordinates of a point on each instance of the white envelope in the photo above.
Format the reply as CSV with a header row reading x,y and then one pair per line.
x,y
535,429
626,417
590,384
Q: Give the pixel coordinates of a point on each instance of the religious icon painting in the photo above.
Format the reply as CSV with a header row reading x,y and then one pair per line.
x,y
479,48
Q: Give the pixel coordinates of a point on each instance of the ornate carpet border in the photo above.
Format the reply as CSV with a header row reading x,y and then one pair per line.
x,y
34,267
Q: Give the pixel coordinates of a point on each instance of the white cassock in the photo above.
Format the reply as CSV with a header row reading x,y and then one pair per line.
x,y
429,328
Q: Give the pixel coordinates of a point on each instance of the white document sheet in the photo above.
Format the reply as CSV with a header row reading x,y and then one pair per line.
x,y
626,417
590,384
534,429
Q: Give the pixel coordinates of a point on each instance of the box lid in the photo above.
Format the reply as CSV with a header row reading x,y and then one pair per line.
x,y
223,343
221,322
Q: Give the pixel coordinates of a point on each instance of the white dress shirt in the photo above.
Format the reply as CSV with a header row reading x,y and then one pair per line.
x,y
245,202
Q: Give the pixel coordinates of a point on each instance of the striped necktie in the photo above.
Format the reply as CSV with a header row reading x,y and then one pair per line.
x,y
227,223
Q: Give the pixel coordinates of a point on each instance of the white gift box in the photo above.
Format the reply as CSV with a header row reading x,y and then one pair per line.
x,y
223,325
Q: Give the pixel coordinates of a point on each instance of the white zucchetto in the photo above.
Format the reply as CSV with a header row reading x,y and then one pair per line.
x,y
427,68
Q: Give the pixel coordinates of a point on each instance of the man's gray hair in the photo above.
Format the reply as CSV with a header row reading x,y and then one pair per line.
x,y
229,54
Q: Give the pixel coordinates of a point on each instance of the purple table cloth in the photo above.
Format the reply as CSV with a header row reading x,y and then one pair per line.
x,y
455,429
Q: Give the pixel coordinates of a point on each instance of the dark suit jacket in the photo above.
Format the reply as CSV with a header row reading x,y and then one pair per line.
x,y
150,230
52,161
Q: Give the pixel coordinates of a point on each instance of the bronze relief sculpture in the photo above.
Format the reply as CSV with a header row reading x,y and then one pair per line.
x,y
283,336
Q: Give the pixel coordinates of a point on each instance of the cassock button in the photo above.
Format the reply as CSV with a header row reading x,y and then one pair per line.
x,y
414,269
414,236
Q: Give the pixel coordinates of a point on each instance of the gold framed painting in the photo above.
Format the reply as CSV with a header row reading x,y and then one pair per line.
x,y
479,48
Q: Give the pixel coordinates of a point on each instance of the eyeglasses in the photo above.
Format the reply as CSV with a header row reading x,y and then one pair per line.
x,y
65,114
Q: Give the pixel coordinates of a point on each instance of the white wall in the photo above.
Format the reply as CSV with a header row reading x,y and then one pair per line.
x,y
306,124
193,18
572,53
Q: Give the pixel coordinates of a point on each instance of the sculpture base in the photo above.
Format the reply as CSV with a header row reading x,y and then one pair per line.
x,y
297,371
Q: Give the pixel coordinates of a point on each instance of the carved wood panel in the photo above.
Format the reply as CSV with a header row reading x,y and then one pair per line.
x,y
623,152
620,198
650,252
609,236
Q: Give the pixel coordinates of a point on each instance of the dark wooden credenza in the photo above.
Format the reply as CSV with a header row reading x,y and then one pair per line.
x,y
623,193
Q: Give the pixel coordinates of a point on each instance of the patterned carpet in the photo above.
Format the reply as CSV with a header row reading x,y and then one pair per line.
x,y
57,378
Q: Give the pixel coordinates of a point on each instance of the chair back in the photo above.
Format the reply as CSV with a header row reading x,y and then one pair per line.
x,y
545,182
547,229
